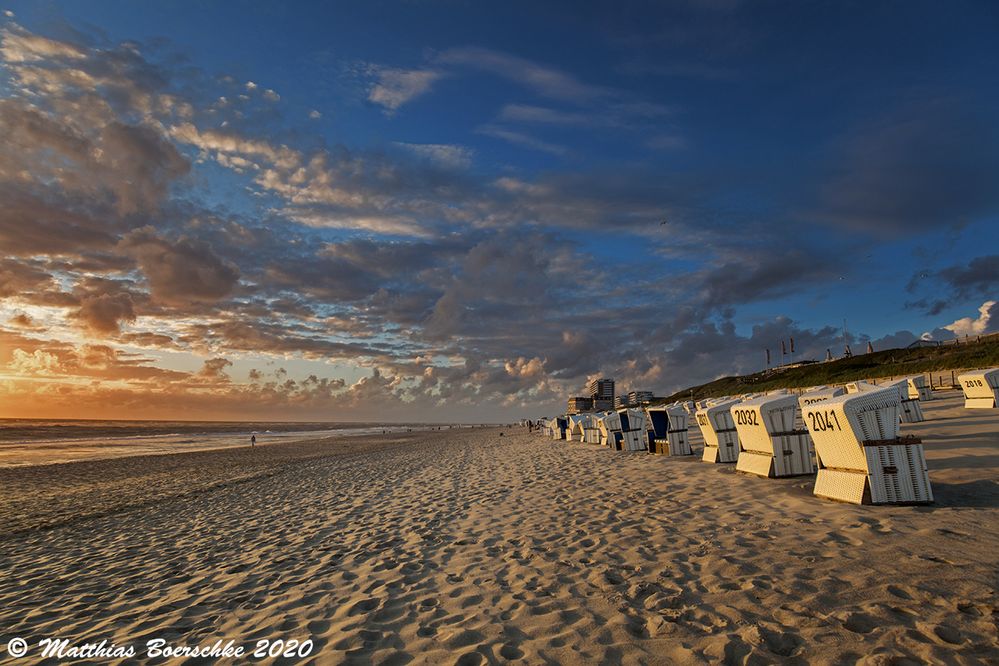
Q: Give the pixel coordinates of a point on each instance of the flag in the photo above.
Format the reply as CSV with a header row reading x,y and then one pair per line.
x,y
870,348
768,357
792,345
783,348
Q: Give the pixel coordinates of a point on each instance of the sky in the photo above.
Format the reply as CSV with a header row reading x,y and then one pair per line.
x,y
462,211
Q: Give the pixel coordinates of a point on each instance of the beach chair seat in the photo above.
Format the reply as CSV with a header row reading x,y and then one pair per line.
x,y
575,429
981,388
861,457
721,439
770,443
667,431
560,428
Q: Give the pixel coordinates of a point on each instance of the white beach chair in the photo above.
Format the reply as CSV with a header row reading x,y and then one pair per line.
x,y
575,429
860,455
770,442
981,388
559,427
633,437
609,424
819,393
857,387
912,412
721,440
667,431
918,390
591,430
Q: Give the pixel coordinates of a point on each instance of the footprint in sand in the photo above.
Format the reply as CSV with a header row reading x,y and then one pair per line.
x,y
858,623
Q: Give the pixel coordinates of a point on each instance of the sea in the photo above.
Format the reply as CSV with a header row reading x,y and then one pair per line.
x,y
45,441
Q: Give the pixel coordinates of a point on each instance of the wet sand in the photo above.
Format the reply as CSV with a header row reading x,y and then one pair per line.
x,y
466,547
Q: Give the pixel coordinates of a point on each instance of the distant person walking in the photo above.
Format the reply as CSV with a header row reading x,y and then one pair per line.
x,y
253,440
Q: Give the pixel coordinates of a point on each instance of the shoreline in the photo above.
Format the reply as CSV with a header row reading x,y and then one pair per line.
x,y
38,452
39,496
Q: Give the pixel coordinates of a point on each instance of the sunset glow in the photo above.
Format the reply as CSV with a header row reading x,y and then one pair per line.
x,y
362,222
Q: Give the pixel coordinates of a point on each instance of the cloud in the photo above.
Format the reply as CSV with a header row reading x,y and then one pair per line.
x,y
214,368
104,313
396,87
446,155
959,282
182,271
17,277
925,166
22,47
315,115
526,113
318,218
980,276
522,139
986,322
753,275
609,114
36,363
544,80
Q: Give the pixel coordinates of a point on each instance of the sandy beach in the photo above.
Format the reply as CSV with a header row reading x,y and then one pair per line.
x,y
467,547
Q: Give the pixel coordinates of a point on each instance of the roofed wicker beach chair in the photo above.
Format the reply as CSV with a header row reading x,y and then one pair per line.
x,y
771,444
560,427
819,393
981,388
861,457
918,390
667,430
591,430
912,412
575,429
632,437
609,424
721,440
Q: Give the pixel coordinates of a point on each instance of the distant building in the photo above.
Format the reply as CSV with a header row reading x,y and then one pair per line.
x,y
639,397
580,404
618,402
602,405
601,389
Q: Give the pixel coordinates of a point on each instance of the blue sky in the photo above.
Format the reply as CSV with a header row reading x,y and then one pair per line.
x,y
458,207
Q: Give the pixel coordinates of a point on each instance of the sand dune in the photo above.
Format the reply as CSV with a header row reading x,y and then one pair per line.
x,y
466,547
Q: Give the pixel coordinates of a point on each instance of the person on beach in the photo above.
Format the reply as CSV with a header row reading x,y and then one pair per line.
x,y
253,440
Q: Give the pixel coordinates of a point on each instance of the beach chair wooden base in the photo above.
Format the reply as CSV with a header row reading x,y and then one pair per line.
x,y
633,440
897,476
979,403
753,462
912,412
729,453
843,486
671,446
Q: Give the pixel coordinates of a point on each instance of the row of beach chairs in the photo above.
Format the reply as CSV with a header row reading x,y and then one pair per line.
x,y
849,437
